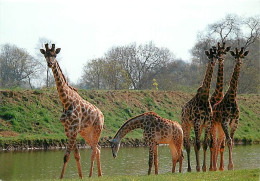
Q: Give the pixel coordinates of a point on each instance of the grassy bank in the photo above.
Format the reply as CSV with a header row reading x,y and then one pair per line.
x,y
31,117
236,175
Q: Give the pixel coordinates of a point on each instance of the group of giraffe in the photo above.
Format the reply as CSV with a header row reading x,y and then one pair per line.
x,y
81,117
214,114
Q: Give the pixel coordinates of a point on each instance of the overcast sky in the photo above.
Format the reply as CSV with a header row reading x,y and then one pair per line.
x,y
87,29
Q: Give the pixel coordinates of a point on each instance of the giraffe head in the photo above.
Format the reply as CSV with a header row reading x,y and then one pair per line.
x,y
212,55
222,50
238,55
50,54
115,145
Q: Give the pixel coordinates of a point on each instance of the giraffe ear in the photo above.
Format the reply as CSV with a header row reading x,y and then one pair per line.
x,y
246,53
57,50
232,53
207,53
227,49
42,51
110,141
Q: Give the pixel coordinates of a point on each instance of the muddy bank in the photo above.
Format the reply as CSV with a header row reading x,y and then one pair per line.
x,y
49,144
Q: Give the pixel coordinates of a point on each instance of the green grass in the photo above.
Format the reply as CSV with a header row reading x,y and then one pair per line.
x,y
34,114
236,175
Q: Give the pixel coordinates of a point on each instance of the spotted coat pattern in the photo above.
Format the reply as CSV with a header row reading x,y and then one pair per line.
x,y
226,113
218,94
197,113
157,130
78,116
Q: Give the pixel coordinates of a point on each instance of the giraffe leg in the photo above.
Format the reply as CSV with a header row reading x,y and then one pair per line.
x,y
197,130
92,140
77,158
186,134
66,160
222,148
205,147
206,142
98,148
224,125
174,156
213,145
180,160
156,159
234,125
98,161
93,156
71,145
151,155
216,147
230,147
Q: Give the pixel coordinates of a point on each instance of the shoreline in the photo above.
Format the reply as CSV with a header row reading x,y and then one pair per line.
x,y
52,144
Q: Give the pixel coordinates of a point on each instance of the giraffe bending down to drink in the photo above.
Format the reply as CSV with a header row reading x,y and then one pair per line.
x,y
226,113
197,113
157,130
78,116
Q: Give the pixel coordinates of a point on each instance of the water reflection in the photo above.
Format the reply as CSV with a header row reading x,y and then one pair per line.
x,y
32,165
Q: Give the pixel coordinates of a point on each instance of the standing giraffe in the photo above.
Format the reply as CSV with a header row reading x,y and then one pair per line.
x,y
157,130
218,94
226,113
78,116
198,113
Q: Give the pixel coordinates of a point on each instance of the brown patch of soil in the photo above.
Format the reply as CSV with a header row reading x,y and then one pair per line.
x,y
8,133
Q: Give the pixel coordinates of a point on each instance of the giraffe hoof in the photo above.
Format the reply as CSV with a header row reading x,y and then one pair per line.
x,y
230,166
189,169
221,168
204,168
211,169
198,168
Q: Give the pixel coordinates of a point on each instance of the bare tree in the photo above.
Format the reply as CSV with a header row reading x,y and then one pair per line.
x,y
233,30
17,67
92,74
244,30
130,66
225,29
252,25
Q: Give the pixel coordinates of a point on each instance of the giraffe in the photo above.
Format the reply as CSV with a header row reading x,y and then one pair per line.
x,y
226,113
78,116
218,94
157,130
198,113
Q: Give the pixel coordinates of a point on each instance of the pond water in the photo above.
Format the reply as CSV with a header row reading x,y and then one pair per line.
x,y
33,165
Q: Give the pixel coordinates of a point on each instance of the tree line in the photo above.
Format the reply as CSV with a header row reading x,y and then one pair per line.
x,y
142,66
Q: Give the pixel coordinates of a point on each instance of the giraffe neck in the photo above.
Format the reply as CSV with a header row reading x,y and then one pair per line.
x,y
61,83
218,93
232,90
131,124
204,88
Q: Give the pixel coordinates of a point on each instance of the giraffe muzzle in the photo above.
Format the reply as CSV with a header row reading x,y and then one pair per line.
x,y
114,155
